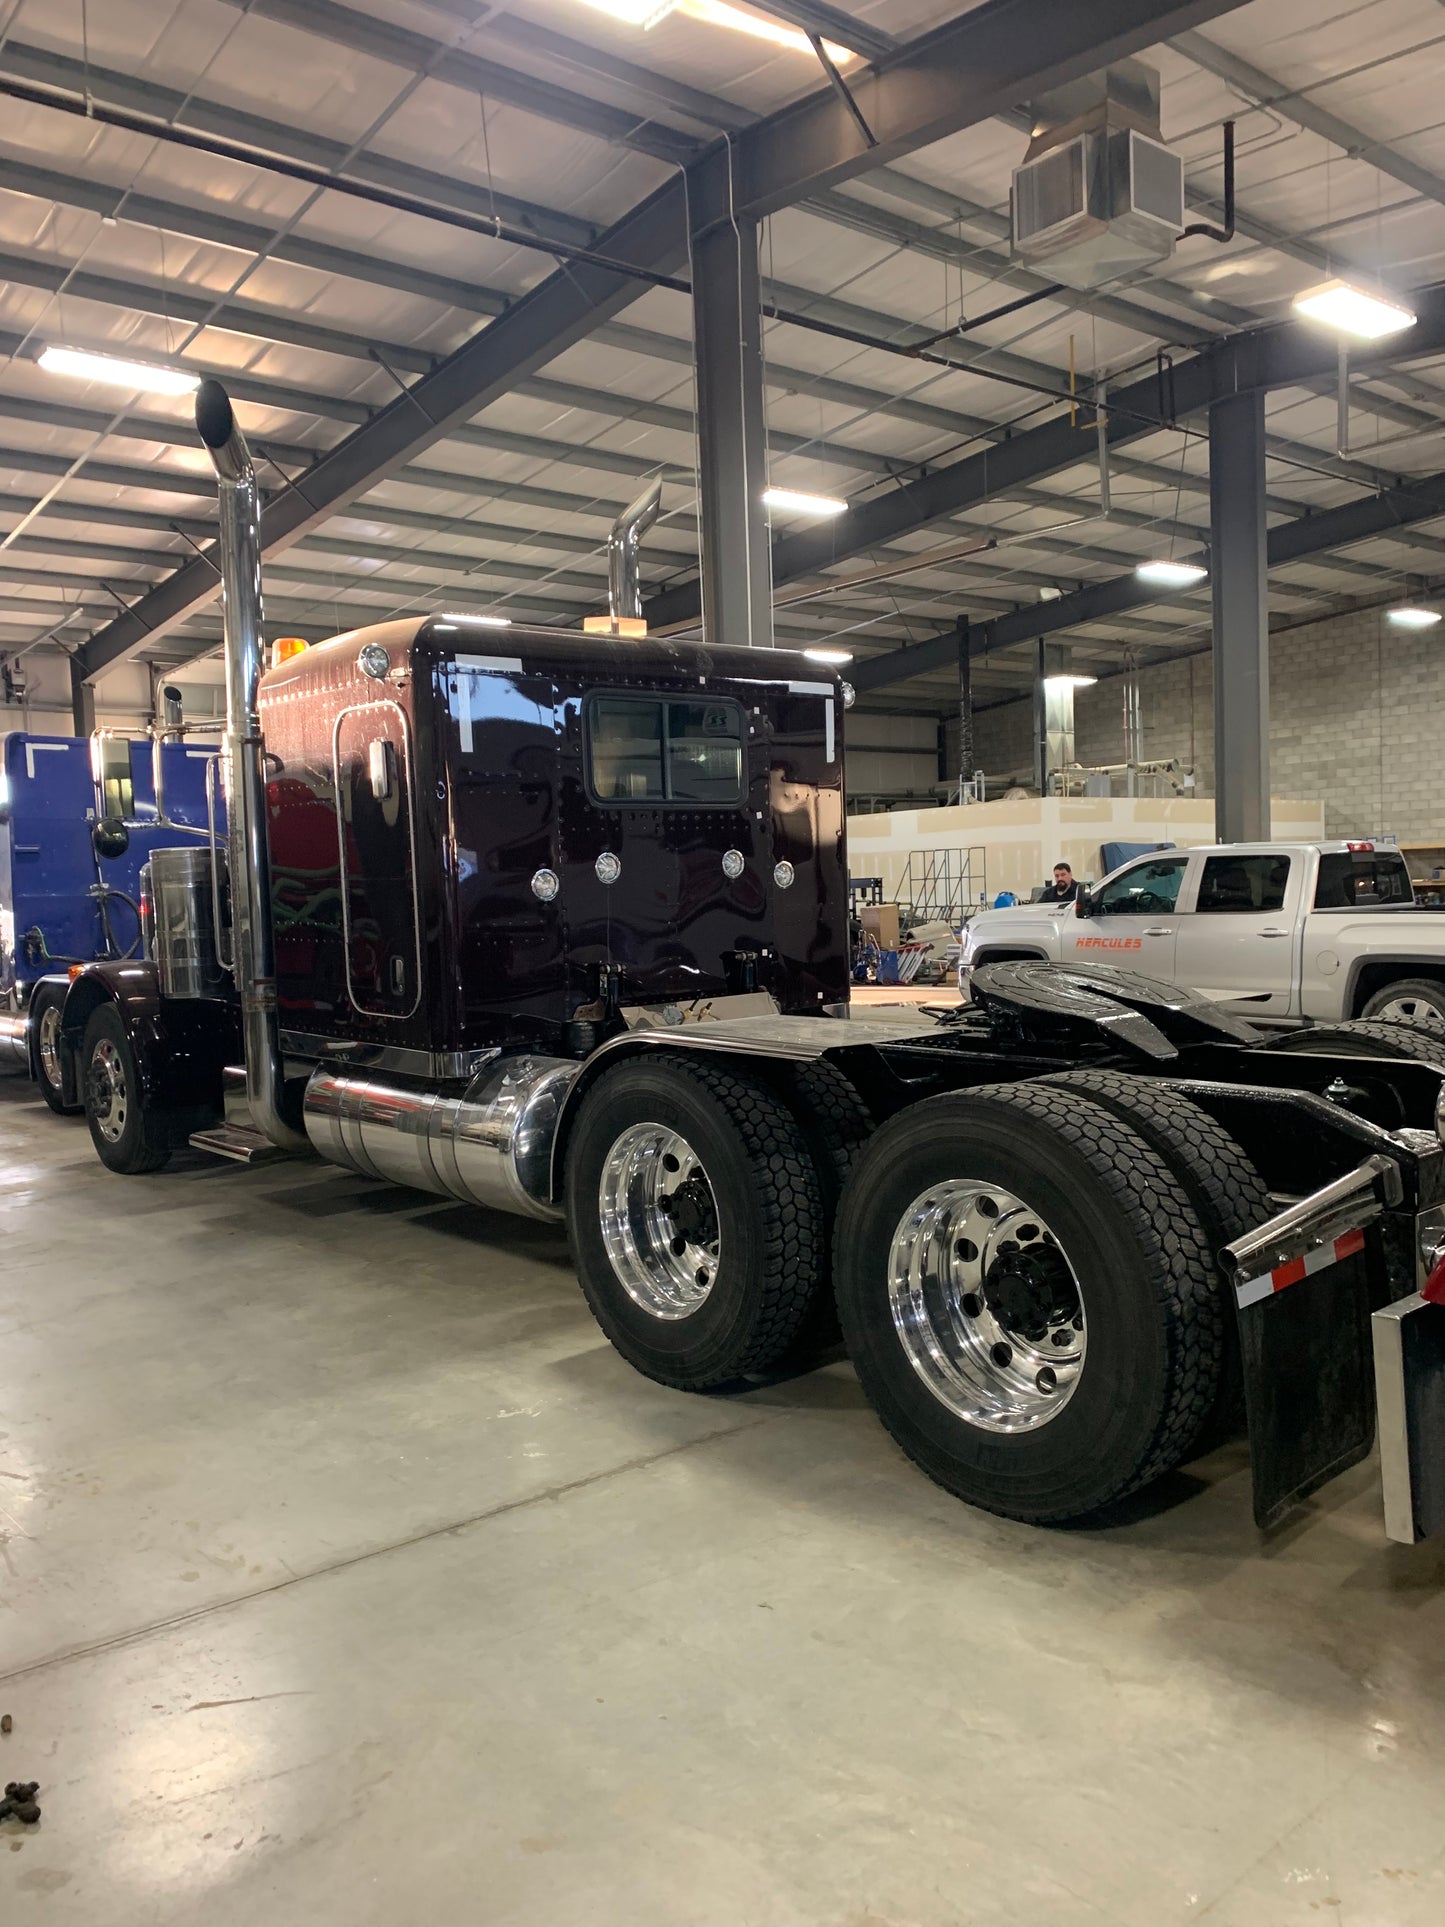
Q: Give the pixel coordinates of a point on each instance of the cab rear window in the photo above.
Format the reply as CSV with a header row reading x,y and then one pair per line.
x,y
645,750
1348,880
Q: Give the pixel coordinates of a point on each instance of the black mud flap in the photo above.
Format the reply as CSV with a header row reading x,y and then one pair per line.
x,y
1309,1386
1410,1383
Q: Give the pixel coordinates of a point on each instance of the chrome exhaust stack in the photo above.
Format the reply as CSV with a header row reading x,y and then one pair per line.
x,y
253,944
624,586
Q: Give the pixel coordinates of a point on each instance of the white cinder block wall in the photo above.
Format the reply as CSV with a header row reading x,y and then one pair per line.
x,y
1357,713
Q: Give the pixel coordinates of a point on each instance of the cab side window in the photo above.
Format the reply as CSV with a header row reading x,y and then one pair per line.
x,y
1242,883
1149,889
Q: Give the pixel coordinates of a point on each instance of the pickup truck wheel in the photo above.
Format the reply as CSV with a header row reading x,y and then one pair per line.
x,y
1028,1296
1227,1193
1371,1037
1414,1000
126,1134
46,1003
696,1219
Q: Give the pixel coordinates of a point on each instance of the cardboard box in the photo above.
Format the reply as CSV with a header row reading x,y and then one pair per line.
x,y
880,920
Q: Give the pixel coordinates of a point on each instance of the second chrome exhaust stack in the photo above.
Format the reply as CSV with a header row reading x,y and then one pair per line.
x,y
624,586
252,940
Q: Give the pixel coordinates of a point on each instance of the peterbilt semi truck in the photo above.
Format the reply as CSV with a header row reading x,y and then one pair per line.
x,y
79,816
556,923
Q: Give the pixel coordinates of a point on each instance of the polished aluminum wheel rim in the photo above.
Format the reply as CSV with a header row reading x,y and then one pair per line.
x,y
1413,1010
659,1221
109,1101
986,1306
47,1045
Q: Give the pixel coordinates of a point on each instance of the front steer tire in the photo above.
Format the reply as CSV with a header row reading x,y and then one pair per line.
x,y
127,1134
762,1199
1152,1318
47,1001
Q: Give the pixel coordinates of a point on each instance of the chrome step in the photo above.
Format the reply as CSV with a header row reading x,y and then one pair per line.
x,y
238,1142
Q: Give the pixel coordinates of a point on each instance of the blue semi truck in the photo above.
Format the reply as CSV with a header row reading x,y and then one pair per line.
x,y
79,817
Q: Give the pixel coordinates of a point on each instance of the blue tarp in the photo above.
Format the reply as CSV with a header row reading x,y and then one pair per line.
x,y
1112,855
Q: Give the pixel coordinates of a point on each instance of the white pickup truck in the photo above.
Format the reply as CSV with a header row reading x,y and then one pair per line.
x,y
1300,932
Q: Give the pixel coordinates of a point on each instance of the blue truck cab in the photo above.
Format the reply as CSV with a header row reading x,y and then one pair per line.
x,y
62,900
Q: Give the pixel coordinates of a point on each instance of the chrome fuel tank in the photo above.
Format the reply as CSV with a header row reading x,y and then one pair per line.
x,y
491,1145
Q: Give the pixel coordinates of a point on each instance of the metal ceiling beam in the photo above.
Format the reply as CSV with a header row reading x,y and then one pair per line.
x,y
965,71
948,80
488,79
28,62
1278,357
1358,521
1305,112
564,309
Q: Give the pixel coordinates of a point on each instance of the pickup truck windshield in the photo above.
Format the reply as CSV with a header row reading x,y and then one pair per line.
x,y
1356,880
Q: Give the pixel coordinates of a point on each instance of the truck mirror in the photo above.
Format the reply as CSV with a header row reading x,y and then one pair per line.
x,y
110,838
1082,906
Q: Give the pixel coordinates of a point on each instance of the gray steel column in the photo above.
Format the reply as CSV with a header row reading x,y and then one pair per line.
x,y
82,699
965,706
737,582
1239,571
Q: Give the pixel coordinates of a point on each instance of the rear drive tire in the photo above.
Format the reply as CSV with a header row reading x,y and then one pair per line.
x,y
695,1218
1228,1195
1418,1001
127,1136
1373,1037
837,1124
46,1004
983,1235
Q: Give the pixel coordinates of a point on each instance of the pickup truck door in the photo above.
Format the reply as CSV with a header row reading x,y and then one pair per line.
x,y
1133,919
1237,936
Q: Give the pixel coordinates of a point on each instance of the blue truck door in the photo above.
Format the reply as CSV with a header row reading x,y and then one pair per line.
x,y
47,911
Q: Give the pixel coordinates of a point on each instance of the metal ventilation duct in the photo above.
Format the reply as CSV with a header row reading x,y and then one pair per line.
x,y
1099,193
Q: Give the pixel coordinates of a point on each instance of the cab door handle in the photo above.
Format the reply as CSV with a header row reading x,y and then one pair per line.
x,y
1274,931
1160,930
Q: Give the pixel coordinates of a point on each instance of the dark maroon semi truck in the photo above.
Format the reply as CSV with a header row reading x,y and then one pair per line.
x,y
556,923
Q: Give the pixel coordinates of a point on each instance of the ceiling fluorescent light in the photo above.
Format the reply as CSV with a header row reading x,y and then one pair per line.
x,y
1069,682
1411,617
634,13
835,658
138,375
1171,575
717,13
1353,311
794,503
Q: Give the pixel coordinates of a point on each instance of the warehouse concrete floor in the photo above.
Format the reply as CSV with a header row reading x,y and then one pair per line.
x,y
346,1575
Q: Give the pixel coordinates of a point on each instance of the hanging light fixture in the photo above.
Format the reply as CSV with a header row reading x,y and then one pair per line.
x,y
141,376
1171,575
792,502
1353,311
1410,615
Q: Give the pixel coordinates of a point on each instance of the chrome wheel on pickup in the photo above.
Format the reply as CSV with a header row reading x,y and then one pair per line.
x,y
986,1305
1416,1001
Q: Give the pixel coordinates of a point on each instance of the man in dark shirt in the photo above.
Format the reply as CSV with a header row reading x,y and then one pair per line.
x,y
1063,889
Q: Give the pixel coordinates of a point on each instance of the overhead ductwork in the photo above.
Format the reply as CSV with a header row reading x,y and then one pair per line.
x,y
1100,193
